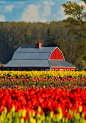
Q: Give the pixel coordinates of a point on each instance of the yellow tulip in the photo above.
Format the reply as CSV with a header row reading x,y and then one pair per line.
x,y
23,112
22,120
32,120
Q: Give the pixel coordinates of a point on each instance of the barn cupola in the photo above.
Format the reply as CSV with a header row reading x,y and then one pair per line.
x,y
38,45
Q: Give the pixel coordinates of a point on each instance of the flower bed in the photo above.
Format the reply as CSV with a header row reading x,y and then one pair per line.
x,y
51,103
47,97
48,74
39,82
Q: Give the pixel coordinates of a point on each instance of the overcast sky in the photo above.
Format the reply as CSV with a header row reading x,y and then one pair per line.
x,y
33,10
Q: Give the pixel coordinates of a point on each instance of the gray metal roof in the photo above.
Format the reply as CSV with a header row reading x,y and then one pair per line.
x,y
60,63
35,57
35,50
27,53
27,63
31,56
38,63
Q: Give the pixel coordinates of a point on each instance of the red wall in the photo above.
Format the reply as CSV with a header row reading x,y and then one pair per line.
x,y
56,54
62,69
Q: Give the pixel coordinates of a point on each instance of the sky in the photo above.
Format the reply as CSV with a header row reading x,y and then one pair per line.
x,y
33,10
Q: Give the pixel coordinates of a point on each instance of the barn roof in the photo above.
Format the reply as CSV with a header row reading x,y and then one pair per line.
x,y
38,63
60,63
35,50
35,57
27,63
29,53
31,56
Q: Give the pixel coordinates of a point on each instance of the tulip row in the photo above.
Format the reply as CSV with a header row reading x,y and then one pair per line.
x,y
49,74
39,82
21,116
71,104
45,97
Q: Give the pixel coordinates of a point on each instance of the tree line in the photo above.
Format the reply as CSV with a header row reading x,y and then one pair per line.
x,y
69,35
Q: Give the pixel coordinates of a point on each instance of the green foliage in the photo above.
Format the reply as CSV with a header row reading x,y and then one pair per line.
x,y
68,35
14,117
77,26
81,64
75,10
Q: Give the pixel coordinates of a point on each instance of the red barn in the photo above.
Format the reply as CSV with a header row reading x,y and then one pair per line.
x,y
39,58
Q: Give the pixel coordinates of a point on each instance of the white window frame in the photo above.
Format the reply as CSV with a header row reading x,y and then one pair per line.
x,y
60,69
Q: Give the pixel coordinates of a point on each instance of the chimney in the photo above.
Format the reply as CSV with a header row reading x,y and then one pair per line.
x,y
38,45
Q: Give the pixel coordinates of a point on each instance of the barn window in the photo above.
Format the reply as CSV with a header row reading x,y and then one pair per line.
x,y
19,69
64,69
35,68
71,69
47,69
52,69
68,70
41,69
56,69
29,69
13,69
7,69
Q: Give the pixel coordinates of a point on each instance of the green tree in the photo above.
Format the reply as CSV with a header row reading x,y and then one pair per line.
x,y
77,26
77,17
74,10
51,38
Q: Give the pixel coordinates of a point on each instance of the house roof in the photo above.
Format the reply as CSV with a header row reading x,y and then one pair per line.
x,y
38,63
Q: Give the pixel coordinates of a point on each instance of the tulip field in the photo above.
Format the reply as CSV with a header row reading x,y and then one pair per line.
x,y
42,97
